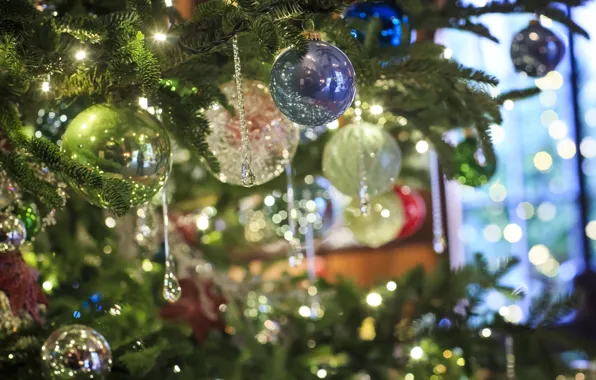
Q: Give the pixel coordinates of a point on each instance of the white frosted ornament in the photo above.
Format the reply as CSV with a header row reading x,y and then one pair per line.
x,y
362,154
273,138
382,223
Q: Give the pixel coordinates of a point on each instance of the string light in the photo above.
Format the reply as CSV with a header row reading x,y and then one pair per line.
x,y
422,146
416,353
160,37
391,286
168,3
81,55
45,86
376,109
374,299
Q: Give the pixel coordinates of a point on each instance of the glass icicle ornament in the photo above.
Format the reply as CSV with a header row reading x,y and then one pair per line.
x,y
314,89
381,225
122,142
76,352
272,138
380,160
171,286
536,50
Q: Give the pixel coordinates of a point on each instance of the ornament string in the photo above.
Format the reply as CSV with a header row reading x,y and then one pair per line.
x,y
510,357
247,175
295,254
363,194
437,207
171,287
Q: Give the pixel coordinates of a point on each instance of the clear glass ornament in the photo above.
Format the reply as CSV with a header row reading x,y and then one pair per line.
x,y
362,156
272,138
76,352
536,50
381,225
124,143
314,89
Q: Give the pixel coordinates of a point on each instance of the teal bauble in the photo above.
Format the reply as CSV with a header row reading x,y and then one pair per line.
x,y
123,143
382,224
362,153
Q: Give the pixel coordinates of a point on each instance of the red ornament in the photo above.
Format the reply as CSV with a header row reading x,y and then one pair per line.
x,y
414,210
198,307
19,282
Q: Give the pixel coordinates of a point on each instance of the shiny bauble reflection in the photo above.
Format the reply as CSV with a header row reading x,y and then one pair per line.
x,y
123,143
76,352
315,89
381,225
395,24
361,152
471,168
272,138
13,232
536,50
30,217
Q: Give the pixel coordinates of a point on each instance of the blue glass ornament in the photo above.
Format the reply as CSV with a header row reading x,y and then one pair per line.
x,y
315,89
394,22
536,50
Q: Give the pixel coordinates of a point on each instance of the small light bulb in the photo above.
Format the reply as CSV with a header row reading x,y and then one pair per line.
x,y
374,299
45,86
416,353
160,37
168,3
81,55
376,109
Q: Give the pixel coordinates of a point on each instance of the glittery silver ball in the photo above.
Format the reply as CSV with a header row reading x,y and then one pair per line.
x,y
76,352
536,50
12,232
315,89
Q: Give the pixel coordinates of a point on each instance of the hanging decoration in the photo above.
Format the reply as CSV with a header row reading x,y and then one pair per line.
x,y
295,254
394,23
271,137
29,215
146,227
310,134
171,286
471,169
13,233
123,143
76,352
414,210
379,160
381,225
536,50
314,89
439,242
273,220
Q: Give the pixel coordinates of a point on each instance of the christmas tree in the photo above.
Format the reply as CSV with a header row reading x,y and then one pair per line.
x,y
144,153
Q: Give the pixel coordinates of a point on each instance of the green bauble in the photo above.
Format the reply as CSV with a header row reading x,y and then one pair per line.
x,y
123,143
362,151
381,225
471,169
30,217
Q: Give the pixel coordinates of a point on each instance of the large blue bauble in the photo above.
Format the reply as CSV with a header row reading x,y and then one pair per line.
x,y
536,50
315,89
394,22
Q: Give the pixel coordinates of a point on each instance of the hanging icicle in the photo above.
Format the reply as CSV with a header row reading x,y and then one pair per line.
x,y
364,194
437,206
171,286
247,175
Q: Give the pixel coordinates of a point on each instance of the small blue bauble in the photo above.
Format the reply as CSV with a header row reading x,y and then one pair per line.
x,y
394,22
536,50
315,89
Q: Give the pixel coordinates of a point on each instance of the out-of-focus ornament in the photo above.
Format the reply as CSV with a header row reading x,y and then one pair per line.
x,y
362,154
12,232
414,210
312,204
395,24
471,168
76,352
536,50
381,225
146,227
272,138
30,217
123,143
314,89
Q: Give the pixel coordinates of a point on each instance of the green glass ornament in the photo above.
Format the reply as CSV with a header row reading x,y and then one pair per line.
x,y
124,143
30,217
76,352
471,169
381,225
362,154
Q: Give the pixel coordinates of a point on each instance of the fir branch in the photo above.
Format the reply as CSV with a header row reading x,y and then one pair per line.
x,y
518,94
